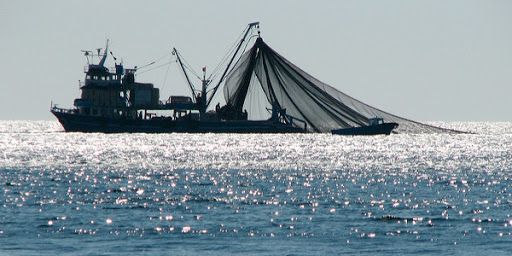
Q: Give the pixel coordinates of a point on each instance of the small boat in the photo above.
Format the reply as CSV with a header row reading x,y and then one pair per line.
x,y
376,126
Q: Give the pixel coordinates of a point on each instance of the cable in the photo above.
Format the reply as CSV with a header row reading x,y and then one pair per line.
x,y
226,57
153,62
187,66
165,77
153,68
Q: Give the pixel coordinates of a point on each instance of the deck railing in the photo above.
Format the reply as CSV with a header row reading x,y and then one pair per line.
x,y
63,110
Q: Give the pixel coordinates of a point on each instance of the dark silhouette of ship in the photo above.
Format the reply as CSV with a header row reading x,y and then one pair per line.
x,y
291,100
113,102
376,126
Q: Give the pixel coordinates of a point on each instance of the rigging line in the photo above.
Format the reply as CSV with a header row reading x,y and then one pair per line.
x,y
229,67
226,57
217,71
246,42
147,65
188,67
277,64
233,48
256,98
345,111
153,62
154,68
281,83
165,77
236,63
184,76
311,93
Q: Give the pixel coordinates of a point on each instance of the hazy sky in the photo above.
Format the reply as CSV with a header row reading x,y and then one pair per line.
x,y
424,60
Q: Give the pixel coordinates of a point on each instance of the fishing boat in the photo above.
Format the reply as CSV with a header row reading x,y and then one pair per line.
x,y
376,126
113,102
263,93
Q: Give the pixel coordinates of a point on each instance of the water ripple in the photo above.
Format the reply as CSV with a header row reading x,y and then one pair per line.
x,y
123,193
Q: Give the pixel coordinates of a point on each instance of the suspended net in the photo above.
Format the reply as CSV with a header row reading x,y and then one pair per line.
x,y
261,73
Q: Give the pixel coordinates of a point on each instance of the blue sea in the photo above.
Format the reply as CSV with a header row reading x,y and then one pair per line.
x,y
231,194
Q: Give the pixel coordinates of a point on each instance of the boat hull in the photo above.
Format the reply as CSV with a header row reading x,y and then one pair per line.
x,y
381,129
79,123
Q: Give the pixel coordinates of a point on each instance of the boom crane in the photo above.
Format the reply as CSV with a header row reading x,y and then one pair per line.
x,y
190,84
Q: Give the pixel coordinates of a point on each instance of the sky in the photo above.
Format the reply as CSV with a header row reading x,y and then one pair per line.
x,y
429,60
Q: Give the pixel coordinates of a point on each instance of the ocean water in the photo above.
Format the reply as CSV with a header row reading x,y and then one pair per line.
x,y
230,194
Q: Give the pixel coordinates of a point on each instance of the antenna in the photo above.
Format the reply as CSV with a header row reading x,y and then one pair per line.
x,y
86,54
115,59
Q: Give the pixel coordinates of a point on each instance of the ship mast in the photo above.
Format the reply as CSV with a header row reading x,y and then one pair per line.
x,y
249,28
202,99
102,61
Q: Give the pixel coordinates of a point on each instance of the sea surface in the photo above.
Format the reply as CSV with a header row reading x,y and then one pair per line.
x,y
231,194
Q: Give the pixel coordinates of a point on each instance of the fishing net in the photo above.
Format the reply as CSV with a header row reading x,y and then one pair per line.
x,y
261,73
